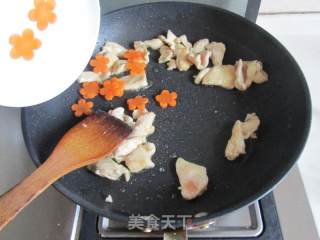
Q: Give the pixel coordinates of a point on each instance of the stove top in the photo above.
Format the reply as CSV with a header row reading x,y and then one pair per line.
x,y
256,221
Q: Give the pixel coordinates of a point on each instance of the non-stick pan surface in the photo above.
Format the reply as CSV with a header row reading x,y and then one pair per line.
x,y
200,125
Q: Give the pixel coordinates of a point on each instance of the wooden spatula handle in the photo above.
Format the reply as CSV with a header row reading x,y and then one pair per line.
x,y
13,201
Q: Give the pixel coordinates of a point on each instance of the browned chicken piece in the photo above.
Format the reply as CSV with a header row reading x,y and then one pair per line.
x,y
166,54
220,75
240,132
200,60
217,52
193,178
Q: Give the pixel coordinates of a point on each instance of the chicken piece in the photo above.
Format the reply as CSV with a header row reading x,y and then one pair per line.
x,y
193,178
144,123
135,82
217,52
110,169
236,144
241,82
250,126
254,71
89,76
142,127
171,65
140,158
248,72
183,64
119,67
198,78
120,114
200,45
169,40
154,44
142,47
182,42
113,48
166,54
200,60
240,132
220,75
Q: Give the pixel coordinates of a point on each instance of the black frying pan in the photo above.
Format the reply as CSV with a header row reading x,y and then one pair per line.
x,y
198,128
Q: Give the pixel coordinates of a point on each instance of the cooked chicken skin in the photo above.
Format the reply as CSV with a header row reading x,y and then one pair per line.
x,y
193,178
240,132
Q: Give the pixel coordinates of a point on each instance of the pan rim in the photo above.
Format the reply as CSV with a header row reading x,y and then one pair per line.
x,y
268,187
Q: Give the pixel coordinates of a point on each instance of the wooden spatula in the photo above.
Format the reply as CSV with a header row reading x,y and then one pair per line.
x,y
87,142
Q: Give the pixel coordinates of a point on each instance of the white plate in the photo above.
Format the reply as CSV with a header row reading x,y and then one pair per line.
x,y
66,47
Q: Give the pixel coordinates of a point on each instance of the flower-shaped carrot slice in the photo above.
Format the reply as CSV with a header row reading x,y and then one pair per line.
x,y
99,64
90,89
43,13
82,108
112,88
134,55
167,98
23,46
136,68
137,102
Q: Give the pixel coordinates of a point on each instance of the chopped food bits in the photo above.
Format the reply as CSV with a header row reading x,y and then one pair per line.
x,y
99,64
90,89
193,178
82,108
167,98
43,13
112,88
137,102
240,132
23,46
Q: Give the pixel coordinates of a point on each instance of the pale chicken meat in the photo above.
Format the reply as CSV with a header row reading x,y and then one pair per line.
x,y
248,72
169,40
140,158
119,67
183,64
200,60
135,82
217,50
200,45
166,54
154,44
220,75
135,151
182,42
198,78
193,178
171,65
110,169
89,76
113,48
240,132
